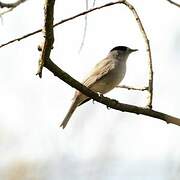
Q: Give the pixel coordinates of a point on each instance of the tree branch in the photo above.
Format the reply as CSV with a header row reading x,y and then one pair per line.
x,y
75,84
104,100
148,49
85,28
132,88
174,3
48,34
107,101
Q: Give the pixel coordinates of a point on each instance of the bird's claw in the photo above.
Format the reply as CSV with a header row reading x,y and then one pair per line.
x,y
100,94
108,108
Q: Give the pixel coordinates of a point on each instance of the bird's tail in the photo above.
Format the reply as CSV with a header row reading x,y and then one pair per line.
x,y
69,114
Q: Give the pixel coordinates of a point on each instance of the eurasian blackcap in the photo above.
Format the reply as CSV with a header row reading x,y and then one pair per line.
x,y
105,76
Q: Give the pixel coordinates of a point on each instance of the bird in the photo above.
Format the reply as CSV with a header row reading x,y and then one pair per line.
x,y
104,77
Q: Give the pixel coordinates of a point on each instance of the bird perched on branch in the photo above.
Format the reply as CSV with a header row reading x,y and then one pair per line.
x,y
105,76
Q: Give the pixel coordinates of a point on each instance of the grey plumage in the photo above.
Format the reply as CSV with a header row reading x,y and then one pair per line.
x,y
106,75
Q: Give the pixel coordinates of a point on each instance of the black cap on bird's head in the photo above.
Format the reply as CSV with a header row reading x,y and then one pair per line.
x,y
123,49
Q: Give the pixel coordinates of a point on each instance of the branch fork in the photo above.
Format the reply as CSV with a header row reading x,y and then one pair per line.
x,y
44,61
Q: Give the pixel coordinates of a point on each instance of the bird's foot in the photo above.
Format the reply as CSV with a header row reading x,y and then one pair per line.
x,y
100,94
108,108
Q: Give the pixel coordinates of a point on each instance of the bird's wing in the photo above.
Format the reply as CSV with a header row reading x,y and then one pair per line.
x,y
100,70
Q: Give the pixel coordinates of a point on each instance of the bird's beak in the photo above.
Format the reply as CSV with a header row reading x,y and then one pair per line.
x,y
133,50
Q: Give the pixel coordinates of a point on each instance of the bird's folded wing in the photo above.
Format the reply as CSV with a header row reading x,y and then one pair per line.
x,y
99,71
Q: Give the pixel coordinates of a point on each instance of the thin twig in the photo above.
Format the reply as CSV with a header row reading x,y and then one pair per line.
x,y
150,80
10,6
20,38
6,11
174,3
94,2
48,34
107,101
85,28
132,88
61,22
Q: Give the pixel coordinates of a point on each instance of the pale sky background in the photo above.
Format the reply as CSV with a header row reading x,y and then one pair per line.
x,y
97,143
